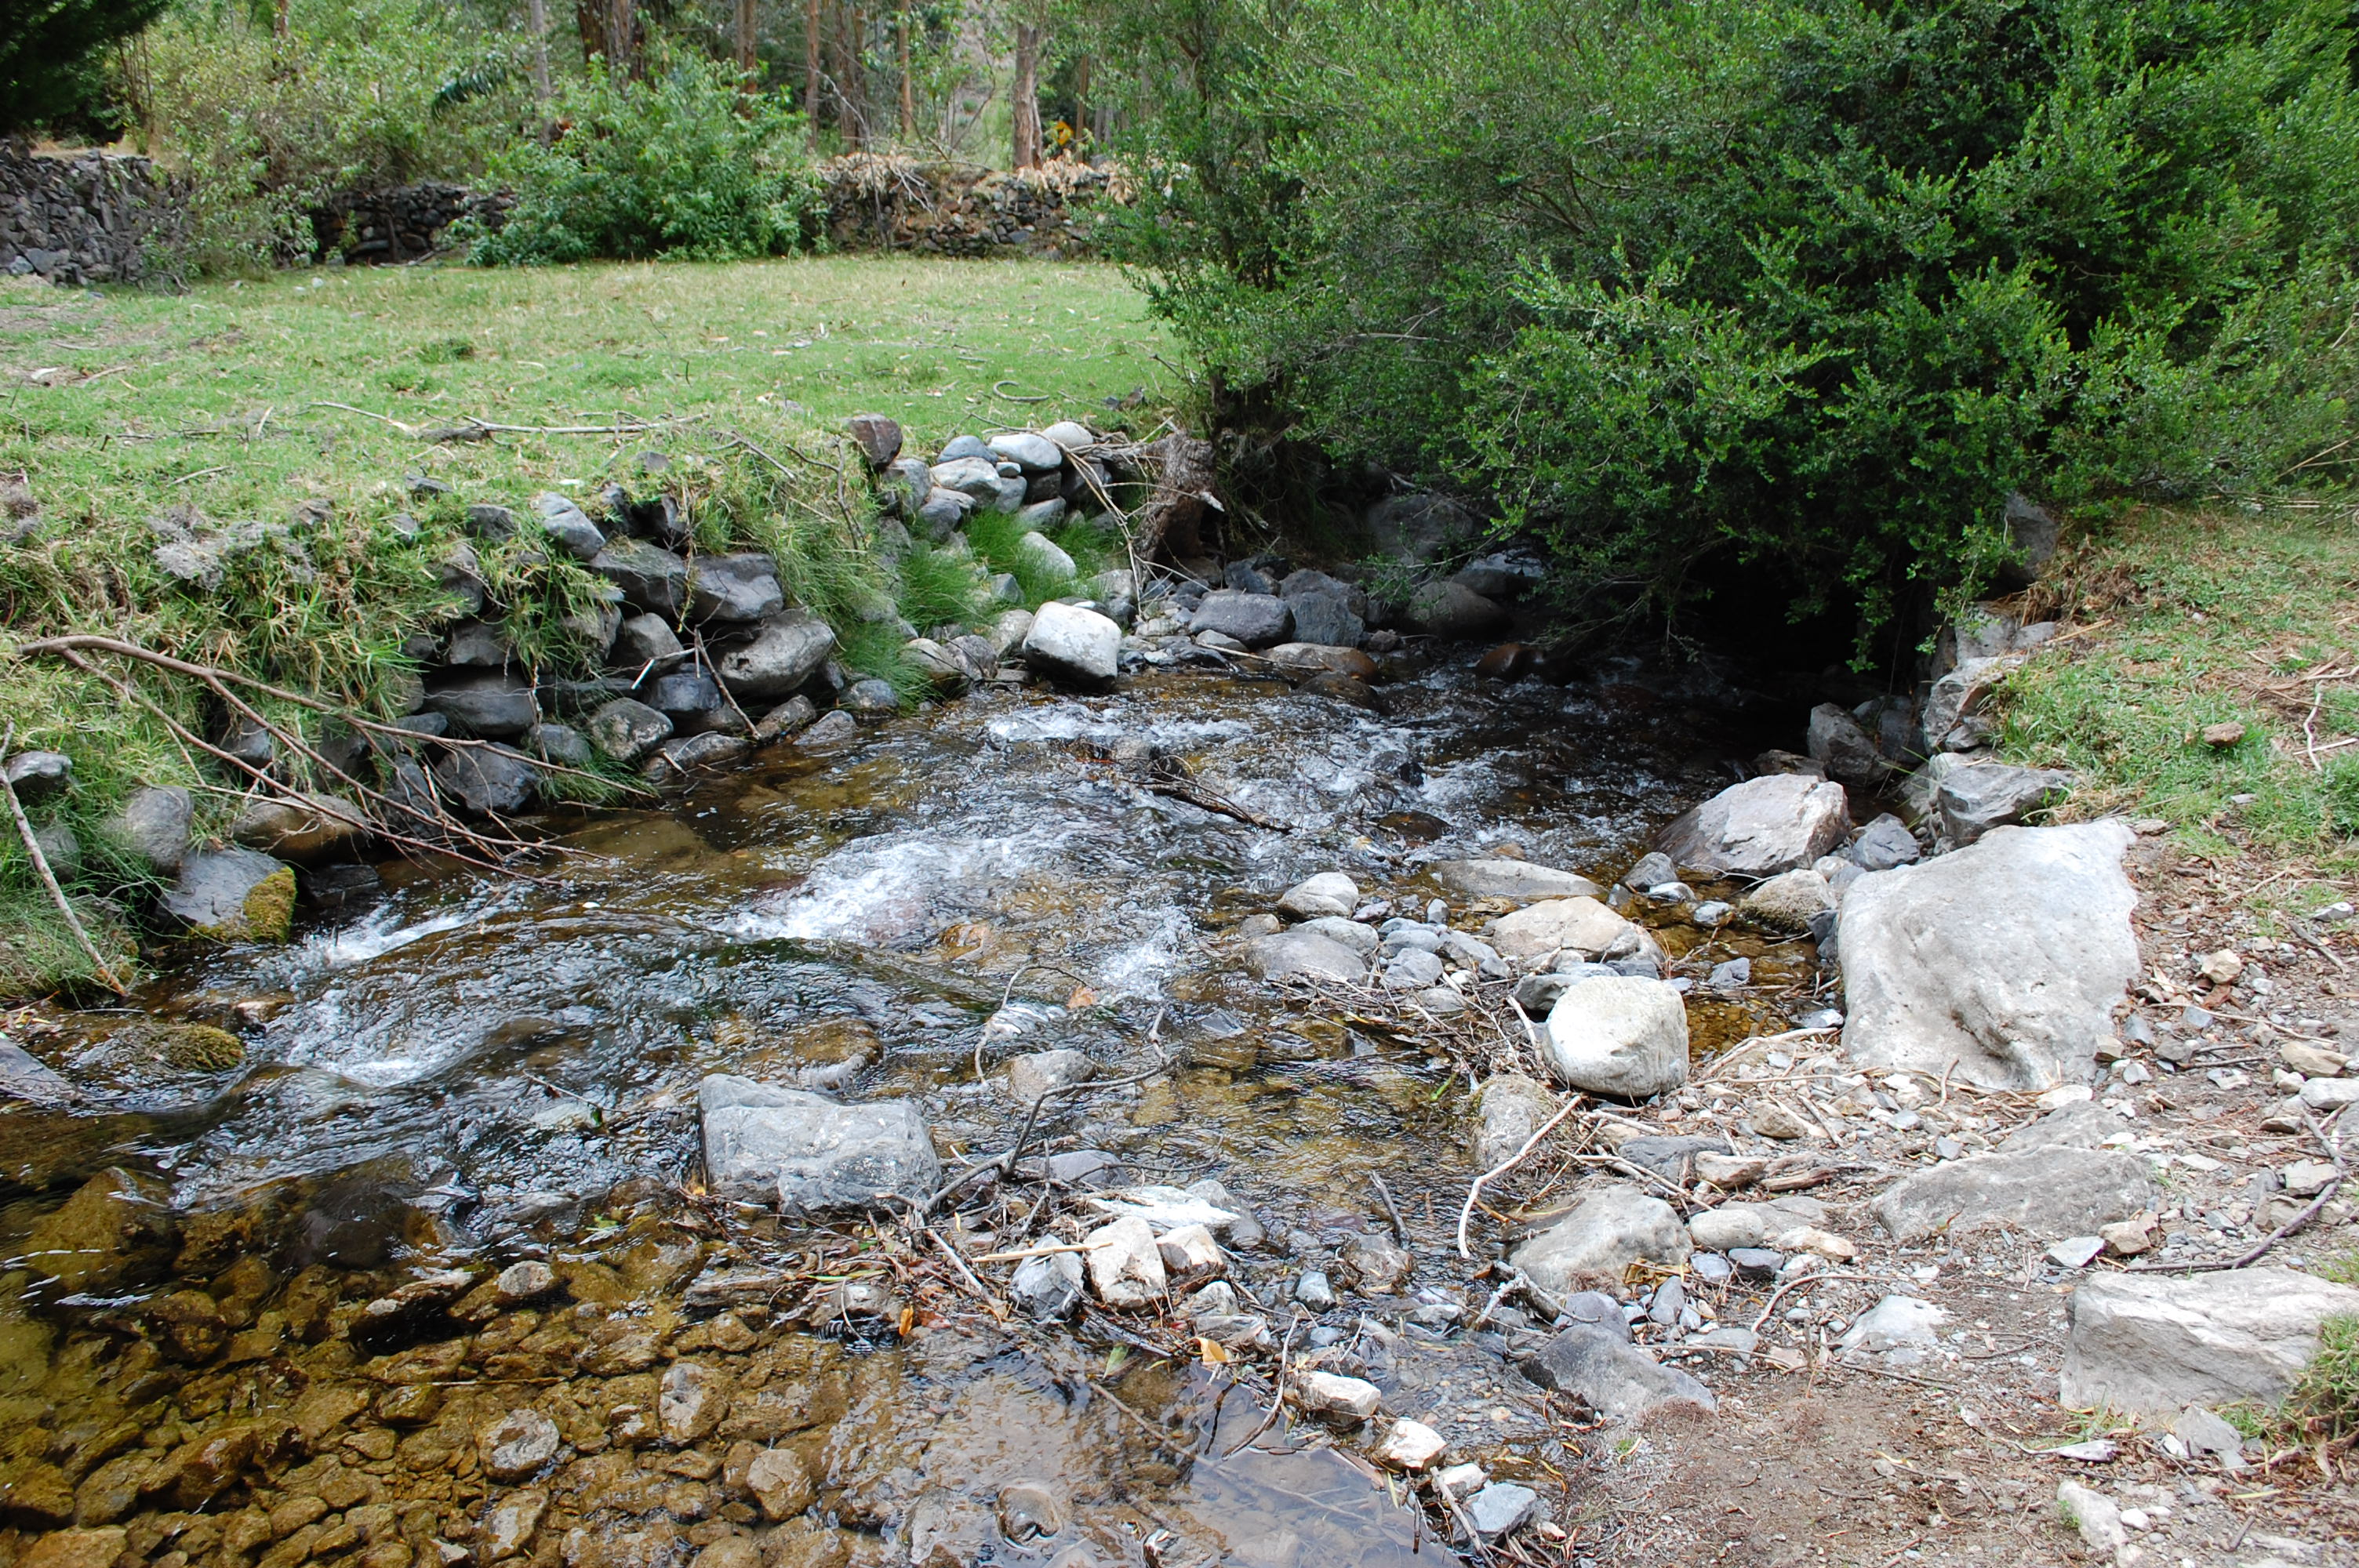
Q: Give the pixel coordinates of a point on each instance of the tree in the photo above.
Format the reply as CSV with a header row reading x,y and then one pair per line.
x,y
1025,92
50,53
745,35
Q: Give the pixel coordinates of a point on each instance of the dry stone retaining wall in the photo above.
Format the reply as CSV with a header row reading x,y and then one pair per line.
x,y
87,217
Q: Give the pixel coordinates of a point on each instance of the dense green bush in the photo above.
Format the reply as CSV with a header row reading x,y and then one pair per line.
x,y
1789,293
683,166
358,95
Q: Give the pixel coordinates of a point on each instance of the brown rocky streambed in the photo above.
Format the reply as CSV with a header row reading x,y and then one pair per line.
x,y
393,1246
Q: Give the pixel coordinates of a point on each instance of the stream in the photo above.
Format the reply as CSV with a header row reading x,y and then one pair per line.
x,y
458,1070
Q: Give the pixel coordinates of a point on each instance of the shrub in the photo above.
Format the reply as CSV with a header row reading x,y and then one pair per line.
x,y
684,166
356,96
1784,295
50,54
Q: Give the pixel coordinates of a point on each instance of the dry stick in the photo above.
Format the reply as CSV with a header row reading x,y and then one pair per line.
x,y
1278,1396
133,694
1005,1163
1400,1226
2325,1196
91,643
964,1273
1466,1212
49,877
1811,1279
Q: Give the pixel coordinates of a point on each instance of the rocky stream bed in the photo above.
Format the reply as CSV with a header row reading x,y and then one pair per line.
x,y
1047,1131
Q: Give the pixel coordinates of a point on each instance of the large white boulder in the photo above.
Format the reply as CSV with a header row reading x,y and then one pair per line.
x,y
1069,644
2148,1346
1621,1035
2001,963
1304,952
2046,1193
1760,827
1578,926
1517,880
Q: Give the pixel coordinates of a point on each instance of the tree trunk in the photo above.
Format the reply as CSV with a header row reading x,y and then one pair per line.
x,y
908,89
278,20
745,21
621,38
1081,101
590,21
1026,95
539,13
811,64
840,61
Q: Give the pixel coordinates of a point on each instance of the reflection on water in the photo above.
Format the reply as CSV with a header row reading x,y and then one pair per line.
x,y
474,1070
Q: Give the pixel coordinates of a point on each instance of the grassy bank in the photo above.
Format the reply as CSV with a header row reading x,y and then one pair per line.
x,y
2239,623
208,419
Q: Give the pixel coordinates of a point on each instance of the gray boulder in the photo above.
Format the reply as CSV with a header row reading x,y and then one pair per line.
x,y
652,579
1954,709
487,708
154,823
488,781
906,485
1511,1108
1303,953
1032,452
1518,880
959,446
1623,1036
486,521
2046,1193
1067,644
2148,1346
675,758
944,510
1614,1378
1848,752
37,776
1596,1244
231,895
304,832
809,1152
473,645
568,525
1975,800
646,642
1452,609
2033,534
975,477
1048,1288
692,701
1760,827
787,649
1256,619
559,744
2001,962
1326,616
1883,844
626,730
1042,554
1071,434
877,435
743,587
1788,900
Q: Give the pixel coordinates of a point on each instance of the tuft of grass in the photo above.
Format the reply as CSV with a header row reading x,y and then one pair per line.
x,y
2324,1405
2190,621
939,586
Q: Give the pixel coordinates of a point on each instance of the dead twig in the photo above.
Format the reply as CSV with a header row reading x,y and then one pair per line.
x,y
49,877
1466,1211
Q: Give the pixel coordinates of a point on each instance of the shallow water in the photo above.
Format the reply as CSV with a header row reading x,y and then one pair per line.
x,y
474,1070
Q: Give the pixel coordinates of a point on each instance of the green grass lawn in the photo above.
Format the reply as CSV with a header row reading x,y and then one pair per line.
x,y
131,416
2180,622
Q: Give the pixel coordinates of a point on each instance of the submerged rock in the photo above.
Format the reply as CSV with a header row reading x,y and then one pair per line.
x,y
810,1152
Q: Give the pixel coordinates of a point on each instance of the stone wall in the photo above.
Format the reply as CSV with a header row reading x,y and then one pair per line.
x,y
87,217
401,224
879,204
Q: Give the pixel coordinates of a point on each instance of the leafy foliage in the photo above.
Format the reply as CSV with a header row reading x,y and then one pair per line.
x,y
50,53
356,96
683,166
1791,293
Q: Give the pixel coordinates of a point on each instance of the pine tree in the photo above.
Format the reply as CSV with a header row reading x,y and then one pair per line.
x,y
51,53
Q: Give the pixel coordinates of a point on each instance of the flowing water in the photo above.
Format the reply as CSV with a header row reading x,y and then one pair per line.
x,y
464,1070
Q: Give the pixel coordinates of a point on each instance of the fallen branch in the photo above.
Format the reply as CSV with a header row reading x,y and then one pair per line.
x,y
49,877
1466,1212
1005,1164
474,429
